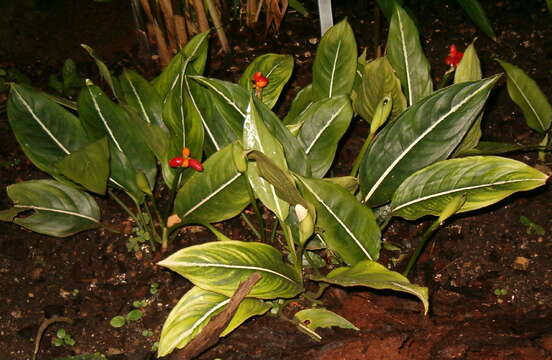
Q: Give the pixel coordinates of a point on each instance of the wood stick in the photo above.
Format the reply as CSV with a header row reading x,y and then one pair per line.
x,y
209,336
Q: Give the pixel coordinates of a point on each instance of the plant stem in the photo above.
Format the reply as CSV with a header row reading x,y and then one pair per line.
x,y
446,78
296,254
154,232
157,213
273,232
260,219
122,205
250,224
172,195
421,245
165,238
109,228
356,164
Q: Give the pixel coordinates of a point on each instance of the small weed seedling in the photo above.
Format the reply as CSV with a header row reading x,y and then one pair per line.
x,y
63,338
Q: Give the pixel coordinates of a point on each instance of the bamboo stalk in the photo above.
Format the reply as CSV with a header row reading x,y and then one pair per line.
x,y
181,33
201,15
218,26
143,43
251,10
258,13
167,10
164,54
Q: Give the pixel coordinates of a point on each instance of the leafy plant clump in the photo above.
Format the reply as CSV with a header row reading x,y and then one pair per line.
x,y
413,164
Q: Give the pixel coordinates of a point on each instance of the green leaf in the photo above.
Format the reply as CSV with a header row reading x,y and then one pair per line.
x,y
140,95
185,125
70,75
281,179
293,149
257,137
226,105
378,80
333,72
349,228
477,14
45,131
118,321
134,315
297,6
388,7
300,104
192,58
222,105
217,193
525,92
57,210
492,148
349,183
484,181
277,68
104,72
88,166
222,265
322,318
371,274
101,117
469,69
194,311
426,132
324,123
405,54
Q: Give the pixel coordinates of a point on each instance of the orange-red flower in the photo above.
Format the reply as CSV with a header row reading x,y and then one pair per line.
x,y
454,56
259,80
185,161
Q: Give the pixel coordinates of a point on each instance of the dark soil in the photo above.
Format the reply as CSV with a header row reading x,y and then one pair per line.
x,y
91,277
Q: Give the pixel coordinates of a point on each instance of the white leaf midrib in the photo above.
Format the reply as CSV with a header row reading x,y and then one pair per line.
x,y
212,194
99,111
66,212
422,136
40,123
205,125
220,93
197,323
466,188
339,221
528,102
330,90
142,107
328,123
257,139
405,57
169,263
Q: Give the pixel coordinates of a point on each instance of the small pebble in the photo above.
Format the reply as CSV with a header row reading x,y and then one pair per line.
x,y
521,263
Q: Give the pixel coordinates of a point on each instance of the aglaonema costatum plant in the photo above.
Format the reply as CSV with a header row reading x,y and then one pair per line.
x,y
412,165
